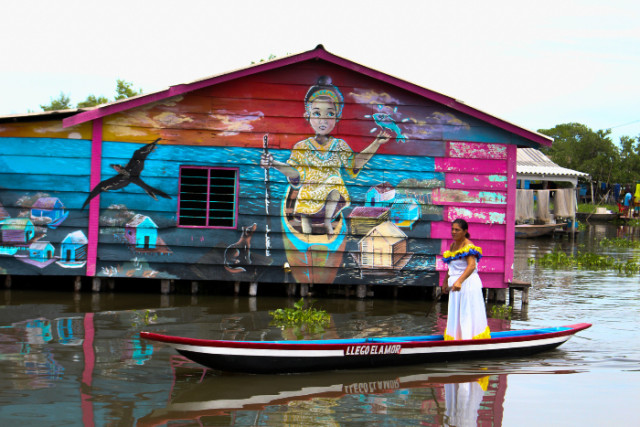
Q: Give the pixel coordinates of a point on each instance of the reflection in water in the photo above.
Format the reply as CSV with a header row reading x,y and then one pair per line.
x,y
408,395
80,357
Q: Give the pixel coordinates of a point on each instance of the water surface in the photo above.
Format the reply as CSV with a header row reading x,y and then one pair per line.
x,y
77,359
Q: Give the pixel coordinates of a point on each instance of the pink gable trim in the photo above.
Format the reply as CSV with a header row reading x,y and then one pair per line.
x,y
317,53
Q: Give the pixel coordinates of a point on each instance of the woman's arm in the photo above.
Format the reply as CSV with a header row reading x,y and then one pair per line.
x,y
363,157
267,161
471,265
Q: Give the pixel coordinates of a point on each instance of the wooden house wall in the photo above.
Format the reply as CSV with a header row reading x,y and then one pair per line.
x,y
453,165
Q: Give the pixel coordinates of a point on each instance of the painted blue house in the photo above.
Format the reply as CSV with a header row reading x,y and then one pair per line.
x,y
49,210
16,231
41,251
380,195
142,232
405,211
73,248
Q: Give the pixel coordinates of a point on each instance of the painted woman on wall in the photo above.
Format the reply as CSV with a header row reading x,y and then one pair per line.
x,y
314,166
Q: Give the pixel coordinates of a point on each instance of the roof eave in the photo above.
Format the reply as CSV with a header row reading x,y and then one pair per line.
x,y
318,53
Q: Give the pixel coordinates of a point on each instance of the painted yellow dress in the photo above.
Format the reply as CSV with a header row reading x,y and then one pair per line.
x,y
319,169
467,317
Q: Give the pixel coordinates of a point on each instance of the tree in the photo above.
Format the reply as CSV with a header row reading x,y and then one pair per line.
x,y
62,102
578,147
92,101
629,166
125,90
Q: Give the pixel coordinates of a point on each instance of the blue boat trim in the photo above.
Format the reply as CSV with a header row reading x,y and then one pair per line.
x,y
374,340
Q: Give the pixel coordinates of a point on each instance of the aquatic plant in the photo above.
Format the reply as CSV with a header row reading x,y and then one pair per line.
x,y
301,319
620,242
501,312
143,318
586,260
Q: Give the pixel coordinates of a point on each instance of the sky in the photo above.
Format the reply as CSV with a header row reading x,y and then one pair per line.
x,y
535,64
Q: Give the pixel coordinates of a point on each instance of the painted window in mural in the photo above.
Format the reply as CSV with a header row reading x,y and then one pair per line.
x,y
208,197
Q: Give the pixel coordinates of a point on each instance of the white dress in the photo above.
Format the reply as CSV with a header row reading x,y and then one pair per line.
x,y
467,317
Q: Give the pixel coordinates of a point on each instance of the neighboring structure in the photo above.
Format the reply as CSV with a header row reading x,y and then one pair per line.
x,y
533,165
255,175
48,210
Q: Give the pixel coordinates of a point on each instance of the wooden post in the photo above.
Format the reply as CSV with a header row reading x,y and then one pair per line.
x,y
253,289
236,288
361,291
304,290
7,281
96,284
165,286
291,289
77,284
111,283
194,287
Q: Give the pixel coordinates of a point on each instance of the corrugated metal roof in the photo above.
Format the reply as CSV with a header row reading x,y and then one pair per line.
x,y
534,162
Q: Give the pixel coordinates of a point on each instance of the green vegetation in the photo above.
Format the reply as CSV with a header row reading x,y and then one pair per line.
x,y
124,90
144,318
586,260
619,242
577,147
301,320
501,312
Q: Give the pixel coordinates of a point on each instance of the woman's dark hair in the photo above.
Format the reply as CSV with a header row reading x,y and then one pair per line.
x,y
325,87
463,225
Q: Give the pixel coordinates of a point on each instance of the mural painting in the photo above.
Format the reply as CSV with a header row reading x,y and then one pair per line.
x,y
309,173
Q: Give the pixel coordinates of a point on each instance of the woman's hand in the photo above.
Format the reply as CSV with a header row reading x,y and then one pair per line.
x,y
266,160
457,286
383,137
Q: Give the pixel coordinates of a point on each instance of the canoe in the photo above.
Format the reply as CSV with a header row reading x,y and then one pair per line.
x,y
598,217
268,357
525,231
314,258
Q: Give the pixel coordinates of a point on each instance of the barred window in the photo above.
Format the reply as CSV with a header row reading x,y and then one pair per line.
x,y
208,197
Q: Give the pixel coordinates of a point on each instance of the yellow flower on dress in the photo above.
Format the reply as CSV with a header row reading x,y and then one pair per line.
x,y
463,252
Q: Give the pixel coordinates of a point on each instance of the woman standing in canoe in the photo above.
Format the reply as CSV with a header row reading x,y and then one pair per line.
x,y
467,318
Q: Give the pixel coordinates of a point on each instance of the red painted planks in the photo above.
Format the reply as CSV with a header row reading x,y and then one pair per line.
x,y
475,215
477,150
486,265
471,166
443,196
495,248
442,230
475,181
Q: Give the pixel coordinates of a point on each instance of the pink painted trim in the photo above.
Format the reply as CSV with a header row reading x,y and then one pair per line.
x,y
209,168
87,373
94,205
317,53
512,153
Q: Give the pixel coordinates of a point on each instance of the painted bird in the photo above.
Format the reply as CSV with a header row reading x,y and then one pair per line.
x,y
129,174
385,121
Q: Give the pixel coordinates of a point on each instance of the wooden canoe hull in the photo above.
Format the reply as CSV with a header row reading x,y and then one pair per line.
x,y
526,231
267,357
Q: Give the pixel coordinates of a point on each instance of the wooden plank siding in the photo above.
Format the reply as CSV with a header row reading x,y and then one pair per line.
x,y
439,164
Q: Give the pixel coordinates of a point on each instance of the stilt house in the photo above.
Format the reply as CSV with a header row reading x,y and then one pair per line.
x,y
251,175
